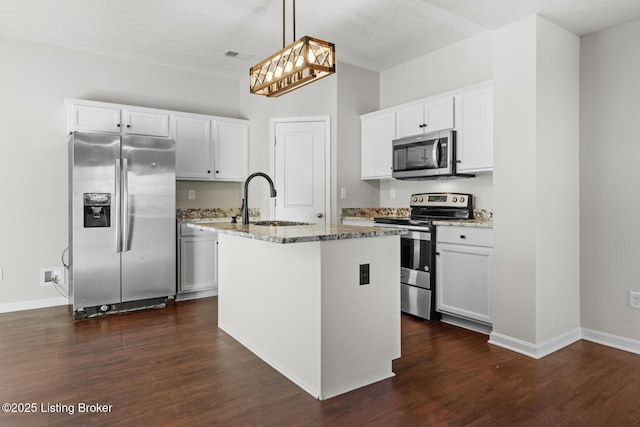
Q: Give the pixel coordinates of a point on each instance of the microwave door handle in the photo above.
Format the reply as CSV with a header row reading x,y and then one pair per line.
x,y
436,154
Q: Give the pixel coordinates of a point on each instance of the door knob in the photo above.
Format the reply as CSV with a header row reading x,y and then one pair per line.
x,y
319,215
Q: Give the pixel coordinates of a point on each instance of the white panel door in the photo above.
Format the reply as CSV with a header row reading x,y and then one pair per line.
x,y
299,175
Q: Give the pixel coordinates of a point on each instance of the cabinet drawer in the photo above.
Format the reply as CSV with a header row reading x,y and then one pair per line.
x,y
465,236
185,230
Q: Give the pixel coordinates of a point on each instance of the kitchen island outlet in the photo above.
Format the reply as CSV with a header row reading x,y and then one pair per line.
x,y
292,295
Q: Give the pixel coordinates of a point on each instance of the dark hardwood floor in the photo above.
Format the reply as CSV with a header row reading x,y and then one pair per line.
x,y
174,367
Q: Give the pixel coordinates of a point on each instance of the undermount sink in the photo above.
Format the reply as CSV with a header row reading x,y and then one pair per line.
x,y
279,223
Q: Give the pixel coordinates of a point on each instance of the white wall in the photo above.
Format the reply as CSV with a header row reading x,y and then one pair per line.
x,y
461,64
358,93
558,181
514,176
610,147
536,233
34,80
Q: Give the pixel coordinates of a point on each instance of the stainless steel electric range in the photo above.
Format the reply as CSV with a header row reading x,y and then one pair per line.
x,y
417,258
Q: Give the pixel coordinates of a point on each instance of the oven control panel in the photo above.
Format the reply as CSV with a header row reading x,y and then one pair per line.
x,y
453,200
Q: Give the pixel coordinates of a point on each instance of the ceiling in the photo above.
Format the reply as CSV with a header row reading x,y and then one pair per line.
x,y
195,34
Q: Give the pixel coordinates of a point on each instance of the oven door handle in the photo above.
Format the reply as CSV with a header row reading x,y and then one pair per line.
x,y
417,235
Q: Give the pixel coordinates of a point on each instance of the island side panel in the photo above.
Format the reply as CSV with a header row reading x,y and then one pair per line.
x,y
360,323
269,301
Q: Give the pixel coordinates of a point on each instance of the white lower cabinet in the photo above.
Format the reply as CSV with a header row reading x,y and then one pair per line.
x,y
197,263
463,272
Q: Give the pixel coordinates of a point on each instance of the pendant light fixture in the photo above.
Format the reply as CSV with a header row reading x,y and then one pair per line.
x,y
302,62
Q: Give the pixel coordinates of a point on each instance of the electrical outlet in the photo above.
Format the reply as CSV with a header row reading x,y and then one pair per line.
x,y
392,193
1,276
192,194
343,193
634,299
364,274
49,276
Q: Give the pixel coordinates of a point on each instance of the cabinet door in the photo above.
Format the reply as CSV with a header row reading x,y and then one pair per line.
x,y
193,147
431,116
409,120
145,123
230,153
86,118
198,263
377,134
463,281
474,125
439,114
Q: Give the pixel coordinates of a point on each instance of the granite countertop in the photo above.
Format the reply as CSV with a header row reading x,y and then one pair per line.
x,y
297,233
483,218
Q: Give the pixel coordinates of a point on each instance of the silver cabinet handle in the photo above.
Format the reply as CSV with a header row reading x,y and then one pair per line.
x,y
319,215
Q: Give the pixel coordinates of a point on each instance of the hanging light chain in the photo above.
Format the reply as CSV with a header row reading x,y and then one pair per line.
x,y
284,15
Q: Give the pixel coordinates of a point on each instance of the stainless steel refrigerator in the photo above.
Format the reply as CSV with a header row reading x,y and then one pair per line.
x,y
122,250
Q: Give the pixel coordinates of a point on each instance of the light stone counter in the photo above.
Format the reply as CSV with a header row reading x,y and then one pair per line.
x,y
477,223
297,233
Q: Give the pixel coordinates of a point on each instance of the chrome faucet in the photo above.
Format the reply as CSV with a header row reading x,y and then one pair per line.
x,y
245,201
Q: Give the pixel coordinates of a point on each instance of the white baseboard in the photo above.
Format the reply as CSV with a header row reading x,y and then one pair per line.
x,y
33,304
610,340
536,351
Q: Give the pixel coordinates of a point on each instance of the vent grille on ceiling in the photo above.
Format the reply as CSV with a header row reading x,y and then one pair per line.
x,y
237,55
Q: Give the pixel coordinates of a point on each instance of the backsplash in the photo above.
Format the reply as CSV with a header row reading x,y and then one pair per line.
x,y
483,214
370,213
212,213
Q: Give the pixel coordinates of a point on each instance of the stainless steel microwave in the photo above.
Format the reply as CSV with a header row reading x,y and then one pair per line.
x,y
425,156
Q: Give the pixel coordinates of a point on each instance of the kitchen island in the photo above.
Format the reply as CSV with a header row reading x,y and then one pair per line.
x,y
293,296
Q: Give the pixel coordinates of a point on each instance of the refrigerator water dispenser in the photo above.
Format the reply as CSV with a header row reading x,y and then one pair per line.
x,y
97,210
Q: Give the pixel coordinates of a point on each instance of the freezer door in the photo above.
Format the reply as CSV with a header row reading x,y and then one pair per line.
x,y
94,260
149,218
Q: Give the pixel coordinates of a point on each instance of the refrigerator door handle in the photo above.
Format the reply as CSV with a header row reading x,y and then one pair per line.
x,y
125,206
116,211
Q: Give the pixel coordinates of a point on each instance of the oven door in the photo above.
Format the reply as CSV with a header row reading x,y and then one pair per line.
x,y
416,258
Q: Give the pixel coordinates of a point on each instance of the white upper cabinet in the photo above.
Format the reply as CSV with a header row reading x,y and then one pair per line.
x,y
211,148
146,123
427,117
468,110
231,141
377,132
193,147
207,147
86,118
117,119
474,126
